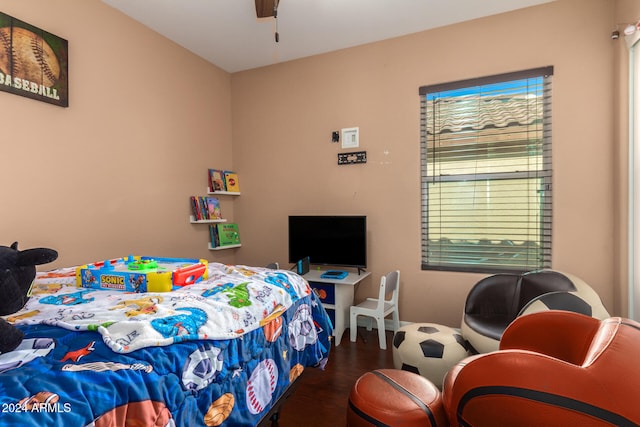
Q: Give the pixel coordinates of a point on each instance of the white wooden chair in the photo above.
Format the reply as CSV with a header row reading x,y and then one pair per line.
x,y
378,309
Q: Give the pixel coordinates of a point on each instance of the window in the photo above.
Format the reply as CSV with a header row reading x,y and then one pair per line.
x,y
486,173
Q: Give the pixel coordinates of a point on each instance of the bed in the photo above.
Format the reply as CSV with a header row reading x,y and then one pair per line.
x,y
222,351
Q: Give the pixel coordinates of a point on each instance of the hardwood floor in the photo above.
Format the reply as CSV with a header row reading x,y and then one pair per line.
x,y
320,399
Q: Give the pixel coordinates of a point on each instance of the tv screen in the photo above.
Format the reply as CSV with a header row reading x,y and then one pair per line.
x,y
329,240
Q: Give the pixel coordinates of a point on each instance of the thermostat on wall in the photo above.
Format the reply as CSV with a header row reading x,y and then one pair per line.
x,y
350,137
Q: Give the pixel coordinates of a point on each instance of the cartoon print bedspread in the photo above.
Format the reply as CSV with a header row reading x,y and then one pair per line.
x,y
220,352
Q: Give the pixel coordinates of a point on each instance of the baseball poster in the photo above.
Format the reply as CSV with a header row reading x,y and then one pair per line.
x,y
33,62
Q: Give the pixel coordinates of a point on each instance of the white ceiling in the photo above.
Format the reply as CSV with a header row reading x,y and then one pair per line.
x,y
228,34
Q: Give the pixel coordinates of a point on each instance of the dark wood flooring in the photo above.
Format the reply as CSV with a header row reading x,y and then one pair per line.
x,y
321,397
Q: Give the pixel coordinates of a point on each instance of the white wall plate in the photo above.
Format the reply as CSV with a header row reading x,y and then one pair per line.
x,y
351,137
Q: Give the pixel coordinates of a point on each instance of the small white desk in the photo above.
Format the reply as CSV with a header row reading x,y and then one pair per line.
x,y
336,297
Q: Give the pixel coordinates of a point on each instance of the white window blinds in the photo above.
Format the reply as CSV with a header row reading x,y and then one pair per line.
x,y
486,173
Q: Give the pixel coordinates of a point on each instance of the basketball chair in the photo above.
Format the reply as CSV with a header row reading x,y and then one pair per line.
x,y
553,368
378,309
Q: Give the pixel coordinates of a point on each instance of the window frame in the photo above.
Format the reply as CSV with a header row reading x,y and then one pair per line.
x,y
542,257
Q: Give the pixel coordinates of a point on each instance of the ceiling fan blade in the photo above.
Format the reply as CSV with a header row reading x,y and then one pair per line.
x,y
264,8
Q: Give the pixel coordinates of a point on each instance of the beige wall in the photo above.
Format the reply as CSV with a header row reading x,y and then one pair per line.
x,y
283,116
112,174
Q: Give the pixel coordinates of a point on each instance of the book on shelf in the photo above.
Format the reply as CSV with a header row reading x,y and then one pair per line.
x,y
224,234
216,180
205,208
228,234
213,235
231,181
195,209
213,208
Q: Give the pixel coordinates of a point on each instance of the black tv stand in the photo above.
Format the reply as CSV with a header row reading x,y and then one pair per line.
x,y
360,270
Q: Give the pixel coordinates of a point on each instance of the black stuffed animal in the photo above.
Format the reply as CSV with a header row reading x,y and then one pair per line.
x,y
17,271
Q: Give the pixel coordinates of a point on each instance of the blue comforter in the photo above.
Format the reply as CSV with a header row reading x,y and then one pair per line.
x,y
69,377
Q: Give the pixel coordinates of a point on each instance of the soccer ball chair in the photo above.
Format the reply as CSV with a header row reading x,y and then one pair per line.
x,y
496,301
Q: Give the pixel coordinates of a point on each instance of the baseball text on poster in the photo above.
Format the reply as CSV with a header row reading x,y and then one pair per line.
x,y
33,62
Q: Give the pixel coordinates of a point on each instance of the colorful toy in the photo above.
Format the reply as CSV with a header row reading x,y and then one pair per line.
x,y
141,274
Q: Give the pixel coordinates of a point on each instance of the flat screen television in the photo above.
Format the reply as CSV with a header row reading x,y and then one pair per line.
x,y
329,240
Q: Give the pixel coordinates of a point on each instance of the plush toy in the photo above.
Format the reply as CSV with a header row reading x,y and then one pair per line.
x,y
17,271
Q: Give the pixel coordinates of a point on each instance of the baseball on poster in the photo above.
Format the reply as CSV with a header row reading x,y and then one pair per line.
x,y
33,62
